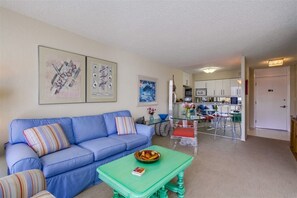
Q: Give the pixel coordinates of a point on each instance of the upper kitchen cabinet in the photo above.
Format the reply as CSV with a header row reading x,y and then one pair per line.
x,y
225,87
211,88
187,79
200,84
222,87
235,85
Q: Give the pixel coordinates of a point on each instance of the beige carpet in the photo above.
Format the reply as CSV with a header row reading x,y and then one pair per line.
x,y
257,168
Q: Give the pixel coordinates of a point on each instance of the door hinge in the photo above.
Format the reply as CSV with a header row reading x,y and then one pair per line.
x,y
255,84
255,121
255,102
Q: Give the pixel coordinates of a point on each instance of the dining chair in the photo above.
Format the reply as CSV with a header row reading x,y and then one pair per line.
x,y
185,134
236,120
222,119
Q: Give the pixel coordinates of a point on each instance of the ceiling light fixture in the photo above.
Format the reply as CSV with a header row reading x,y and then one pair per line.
x,y
209,70
276,62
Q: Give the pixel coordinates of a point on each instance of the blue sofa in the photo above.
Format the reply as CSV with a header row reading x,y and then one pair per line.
x,y
94,141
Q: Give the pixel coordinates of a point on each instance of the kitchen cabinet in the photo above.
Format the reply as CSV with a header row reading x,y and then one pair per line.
x,y
208,84
222,87
187,79
225,87
235,85
211,88
200,84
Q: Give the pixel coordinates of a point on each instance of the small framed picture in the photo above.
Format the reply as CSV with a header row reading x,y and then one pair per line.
x,y
201,92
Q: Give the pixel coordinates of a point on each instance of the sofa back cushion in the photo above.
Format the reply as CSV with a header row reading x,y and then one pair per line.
x,y
110,122
88,127
46,139
18,126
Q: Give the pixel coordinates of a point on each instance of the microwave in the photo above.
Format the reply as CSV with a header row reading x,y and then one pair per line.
x,y
188,92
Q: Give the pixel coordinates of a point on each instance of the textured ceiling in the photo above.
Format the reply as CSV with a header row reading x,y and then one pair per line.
x,y
182,34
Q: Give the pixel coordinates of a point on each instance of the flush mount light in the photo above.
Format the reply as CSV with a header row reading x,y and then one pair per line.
x,y
276,62
209,70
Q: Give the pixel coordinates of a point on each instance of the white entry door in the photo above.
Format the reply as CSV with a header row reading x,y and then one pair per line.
x,y
271,102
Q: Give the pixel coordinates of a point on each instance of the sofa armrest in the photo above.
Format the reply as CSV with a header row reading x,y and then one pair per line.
x,y
20,157
145,130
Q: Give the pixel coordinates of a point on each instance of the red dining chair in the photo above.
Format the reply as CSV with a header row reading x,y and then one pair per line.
x,y
185,134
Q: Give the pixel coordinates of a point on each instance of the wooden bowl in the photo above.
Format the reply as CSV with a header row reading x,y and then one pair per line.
x,y
147,156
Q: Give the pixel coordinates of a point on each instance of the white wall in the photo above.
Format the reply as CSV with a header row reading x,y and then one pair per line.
x,y
19,38
235,73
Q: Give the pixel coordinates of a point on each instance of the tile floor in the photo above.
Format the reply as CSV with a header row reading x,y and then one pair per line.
x,y
209,128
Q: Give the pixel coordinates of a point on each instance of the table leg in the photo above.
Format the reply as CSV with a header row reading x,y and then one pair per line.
x,y
180,185
225,122
164,129
116,194
155,195
157,129
163,193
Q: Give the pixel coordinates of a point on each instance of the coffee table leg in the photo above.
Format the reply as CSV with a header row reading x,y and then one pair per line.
x,y
116,194
180,185
163,192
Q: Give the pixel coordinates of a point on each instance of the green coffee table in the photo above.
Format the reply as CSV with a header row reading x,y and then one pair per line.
x,y
156,179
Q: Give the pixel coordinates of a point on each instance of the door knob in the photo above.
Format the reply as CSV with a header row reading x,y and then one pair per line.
x,y
283,106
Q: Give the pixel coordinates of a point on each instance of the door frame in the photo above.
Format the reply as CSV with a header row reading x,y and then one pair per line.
x,y
273,72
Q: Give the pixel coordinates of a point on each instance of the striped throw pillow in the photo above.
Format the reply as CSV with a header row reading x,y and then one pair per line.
x,y
46,139
22,184
125,125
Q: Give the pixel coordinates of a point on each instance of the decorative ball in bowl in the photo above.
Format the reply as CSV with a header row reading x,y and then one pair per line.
x,y
163,116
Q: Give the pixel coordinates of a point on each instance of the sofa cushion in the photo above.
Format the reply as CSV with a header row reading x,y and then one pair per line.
x,y
104,147
88,127
65,160
132,141
125,125
17,127
46,139
109,119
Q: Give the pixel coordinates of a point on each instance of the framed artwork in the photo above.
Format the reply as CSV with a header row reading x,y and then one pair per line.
x,y
61,76
201,92
101,80
147,91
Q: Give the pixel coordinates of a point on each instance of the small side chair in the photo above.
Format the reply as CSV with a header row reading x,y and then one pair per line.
x,y
29,183
185,133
